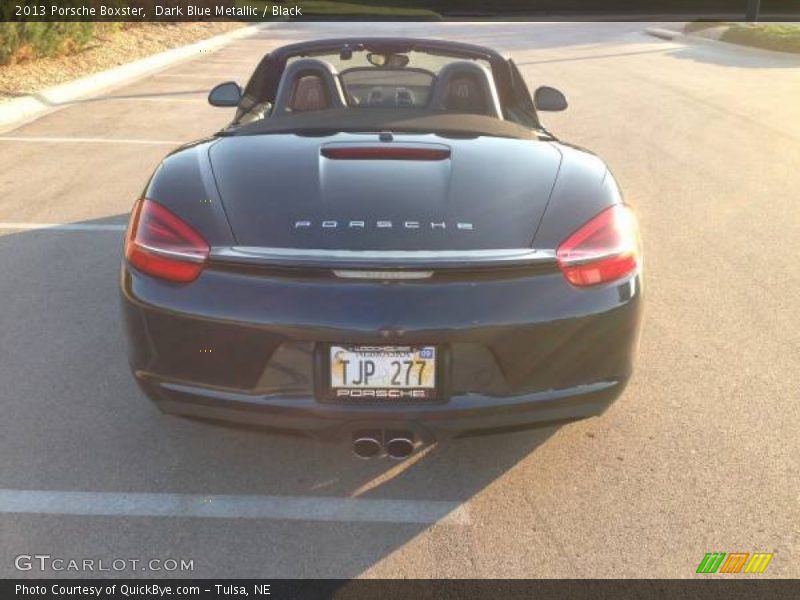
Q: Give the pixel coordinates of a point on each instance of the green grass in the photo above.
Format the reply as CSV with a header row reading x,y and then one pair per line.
x,y
700,26
332,8
770,36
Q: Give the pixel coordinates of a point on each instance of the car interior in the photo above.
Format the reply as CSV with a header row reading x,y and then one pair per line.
x,y
312,84
308,85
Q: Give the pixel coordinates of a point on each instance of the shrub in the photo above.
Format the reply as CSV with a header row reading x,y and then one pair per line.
x,y
25,40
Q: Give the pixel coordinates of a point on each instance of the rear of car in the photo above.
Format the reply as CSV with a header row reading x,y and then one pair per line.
x,y
412,283
244,323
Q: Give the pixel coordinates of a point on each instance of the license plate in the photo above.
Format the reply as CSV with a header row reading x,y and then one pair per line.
x,y
388,372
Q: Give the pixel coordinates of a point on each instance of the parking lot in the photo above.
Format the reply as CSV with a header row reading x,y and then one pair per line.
x,y
701,454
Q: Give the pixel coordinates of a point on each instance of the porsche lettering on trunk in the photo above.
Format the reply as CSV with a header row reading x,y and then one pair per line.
x,y
356,225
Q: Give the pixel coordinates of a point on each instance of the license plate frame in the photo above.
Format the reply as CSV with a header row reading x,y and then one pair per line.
x,y
328,392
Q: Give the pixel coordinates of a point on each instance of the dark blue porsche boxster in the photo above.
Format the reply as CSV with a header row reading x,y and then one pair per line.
x,y
385,246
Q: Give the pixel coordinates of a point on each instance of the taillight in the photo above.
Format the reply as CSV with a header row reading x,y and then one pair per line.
x,y
160,244
602,250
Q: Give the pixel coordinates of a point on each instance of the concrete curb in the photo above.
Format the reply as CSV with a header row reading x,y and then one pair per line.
x,y
691,38
664,34
27,108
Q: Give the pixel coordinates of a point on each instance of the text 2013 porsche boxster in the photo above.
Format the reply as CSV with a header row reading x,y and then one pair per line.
x,y
385,246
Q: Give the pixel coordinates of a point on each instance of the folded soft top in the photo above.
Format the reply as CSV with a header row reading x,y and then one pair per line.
x,y
381,119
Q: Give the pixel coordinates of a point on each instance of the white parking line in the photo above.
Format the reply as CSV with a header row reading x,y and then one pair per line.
x,y
189,76
81,140
244,62
64,226
299,508
199,97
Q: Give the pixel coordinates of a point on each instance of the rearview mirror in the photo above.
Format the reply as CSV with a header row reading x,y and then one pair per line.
x,y
376,60
548,98
393,61
225,94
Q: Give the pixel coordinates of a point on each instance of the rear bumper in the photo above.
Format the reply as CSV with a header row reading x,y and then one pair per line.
x,y
242,348
459,416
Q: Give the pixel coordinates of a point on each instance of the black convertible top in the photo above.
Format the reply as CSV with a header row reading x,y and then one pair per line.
x,y
380,119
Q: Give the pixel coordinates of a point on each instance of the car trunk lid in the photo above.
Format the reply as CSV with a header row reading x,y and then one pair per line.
x,y
355,192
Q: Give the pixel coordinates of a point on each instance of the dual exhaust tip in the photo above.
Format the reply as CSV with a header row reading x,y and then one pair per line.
x,y
371,444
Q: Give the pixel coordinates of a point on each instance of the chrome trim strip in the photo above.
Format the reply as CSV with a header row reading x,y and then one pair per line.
x,y
382,259
172,253
396,274
575,262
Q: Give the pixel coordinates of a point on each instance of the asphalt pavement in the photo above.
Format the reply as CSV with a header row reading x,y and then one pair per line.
x,y
701,453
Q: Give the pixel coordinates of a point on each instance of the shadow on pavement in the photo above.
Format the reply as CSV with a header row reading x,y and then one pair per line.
x,y
506,35
741,57
74,420
590,57
203,91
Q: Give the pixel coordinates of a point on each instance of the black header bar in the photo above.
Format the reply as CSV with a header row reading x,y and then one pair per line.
x,y
712,588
